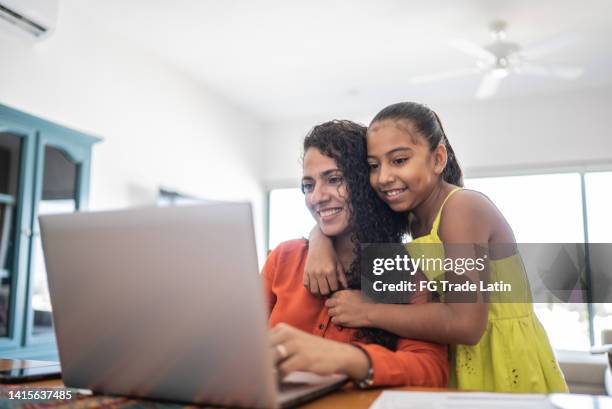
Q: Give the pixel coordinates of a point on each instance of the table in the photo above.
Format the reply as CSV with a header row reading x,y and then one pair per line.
x,y
348,397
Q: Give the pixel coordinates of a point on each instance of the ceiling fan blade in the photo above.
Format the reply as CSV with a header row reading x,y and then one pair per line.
x,y
472,49
550,45
568,72
443,75
488,85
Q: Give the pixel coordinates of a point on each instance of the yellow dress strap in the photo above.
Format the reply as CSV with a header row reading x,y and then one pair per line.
x,y
436,223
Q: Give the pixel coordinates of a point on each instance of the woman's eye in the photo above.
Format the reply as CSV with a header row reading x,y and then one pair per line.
x,y
307,187
334,180
399,161
373,166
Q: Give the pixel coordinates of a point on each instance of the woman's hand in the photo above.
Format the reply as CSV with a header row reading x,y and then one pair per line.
x,y
349,308
296,350
323,272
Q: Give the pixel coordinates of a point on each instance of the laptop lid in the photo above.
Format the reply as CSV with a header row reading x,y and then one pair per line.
x,y
162,303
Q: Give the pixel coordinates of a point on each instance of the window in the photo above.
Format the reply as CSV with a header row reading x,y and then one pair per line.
x,y
167,197
547,208
598,206
538,207
288,218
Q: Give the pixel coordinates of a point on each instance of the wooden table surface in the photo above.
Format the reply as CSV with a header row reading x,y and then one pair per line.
x,y
355,398
347,397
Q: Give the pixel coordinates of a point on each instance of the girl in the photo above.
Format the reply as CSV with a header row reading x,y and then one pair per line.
x,y
336,189
496,346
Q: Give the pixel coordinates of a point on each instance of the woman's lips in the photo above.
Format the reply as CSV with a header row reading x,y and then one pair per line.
x,y
328,214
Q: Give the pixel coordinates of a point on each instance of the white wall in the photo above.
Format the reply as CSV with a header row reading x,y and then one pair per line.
x,y
160,128
505,136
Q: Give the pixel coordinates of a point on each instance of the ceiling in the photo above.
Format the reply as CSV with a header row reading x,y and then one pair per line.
x,y
283,59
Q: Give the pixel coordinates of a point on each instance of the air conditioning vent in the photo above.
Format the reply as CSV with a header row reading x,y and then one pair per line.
x,y
32,19
21,22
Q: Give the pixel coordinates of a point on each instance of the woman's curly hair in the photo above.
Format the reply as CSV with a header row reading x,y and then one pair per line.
x,y
370,220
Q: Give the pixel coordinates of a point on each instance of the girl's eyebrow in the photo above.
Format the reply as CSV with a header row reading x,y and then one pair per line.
x,y
398,150
392,151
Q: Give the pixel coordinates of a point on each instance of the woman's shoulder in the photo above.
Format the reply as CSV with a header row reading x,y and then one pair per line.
x,y
292,245
285,258
290,249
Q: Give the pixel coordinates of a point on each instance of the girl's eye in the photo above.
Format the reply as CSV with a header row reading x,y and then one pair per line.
x,y
307,187
399,161
373,166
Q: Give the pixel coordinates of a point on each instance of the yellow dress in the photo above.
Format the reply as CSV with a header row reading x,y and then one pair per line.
x,y
514,354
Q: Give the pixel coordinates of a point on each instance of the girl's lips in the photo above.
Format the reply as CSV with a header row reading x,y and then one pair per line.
x,y
393,195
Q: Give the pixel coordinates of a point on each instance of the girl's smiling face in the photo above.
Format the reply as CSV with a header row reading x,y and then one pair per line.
x,y
325,193
403,169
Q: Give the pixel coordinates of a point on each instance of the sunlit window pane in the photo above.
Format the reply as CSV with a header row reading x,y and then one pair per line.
x,y
539,208
599,206
602,320
545,209
567,325
599,217
289,217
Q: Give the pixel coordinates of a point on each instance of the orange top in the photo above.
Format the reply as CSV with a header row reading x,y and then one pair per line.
x,y
415,363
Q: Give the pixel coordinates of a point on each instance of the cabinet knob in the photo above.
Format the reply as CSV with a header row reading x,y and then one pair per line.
x,y
27,232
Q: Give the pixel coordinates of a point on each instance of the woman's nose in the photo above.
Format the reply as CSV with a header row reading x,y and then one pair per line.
x,y
319,195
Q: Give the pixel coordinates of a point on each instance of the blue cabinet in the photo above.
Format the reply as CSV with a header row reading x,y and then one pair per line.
x,y
44,168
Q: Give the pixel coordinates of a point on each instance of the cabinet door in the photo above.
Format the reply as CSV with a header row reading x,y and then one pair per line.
x,y
16,183
61,186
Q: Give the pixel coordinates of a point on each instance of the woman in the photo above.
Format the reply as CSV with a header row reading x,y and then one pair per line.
x,y
336,188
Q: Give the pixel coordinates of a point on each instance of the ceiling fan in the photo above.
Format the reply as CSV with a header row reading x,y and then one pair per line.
x,y
497,60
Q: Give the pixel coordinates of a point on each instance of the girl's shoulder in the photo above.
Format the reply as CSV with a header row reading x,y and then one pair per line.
x,y
468,216
467,200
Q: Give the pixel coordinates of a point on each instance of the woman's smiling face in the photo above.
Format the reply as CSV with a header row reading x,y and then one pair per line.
x,y
403,170
325,193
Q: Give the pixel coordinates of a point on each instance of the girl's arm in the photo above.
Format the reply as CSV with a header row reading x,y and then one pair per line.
x,y
323,272
458,323
467,218
447,323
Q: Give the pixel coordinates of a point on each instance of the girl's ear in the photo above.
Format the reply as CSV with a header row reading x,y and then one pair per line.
x,y
440,156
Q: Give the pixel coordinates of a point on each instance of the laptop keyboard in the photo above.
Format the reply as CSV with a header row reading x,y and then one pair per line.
x,y
290,386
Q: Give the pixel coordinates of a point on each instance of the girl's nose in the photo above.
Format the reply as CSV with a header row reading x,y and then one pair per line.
x,y
385,175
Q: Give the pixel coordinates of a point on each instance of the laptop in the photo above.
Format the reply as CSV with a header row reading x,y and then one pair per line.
x,y
166,304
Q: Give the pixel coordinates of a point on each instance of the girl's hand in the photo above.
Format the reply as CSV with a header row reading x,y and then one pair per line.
x,y
323,272
296,350
349,308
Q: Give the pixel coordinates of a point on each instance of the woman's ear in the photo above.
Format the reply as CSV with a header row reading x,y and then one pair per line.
x,y
440,156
